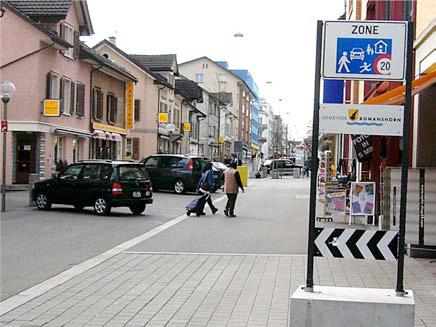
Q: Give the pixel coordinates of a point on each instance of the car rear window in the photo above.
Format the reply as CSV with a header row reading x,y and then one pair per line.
x,y
132,173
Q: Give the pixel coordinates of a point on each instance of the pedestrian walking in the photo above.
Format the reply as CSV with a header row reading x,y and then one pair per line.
x,y
205,186
232,184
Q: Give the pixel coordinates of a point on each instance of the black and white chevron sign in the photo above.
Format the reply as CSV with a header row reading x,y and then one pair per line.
x,y
356,244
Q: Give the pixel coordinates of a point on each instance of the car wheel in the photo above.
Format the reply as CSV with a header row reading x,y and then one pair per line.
x,y
42,201
79,207
101,206
179,187
137,209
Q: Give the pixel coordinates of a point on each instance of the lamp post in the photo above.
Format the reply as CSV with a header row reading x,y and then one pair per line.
x,y
6,91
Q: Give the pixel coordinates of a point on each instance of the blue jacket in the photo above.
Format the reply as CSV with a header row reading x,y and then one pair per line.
x,y
206,176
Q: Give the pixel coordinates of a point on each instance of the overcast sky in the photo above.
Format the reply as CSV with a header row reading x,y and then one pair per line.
x,y
278,43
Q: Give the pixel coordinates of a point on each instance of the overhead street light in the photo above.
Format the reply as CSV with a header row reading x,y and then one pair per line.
x,y
6,91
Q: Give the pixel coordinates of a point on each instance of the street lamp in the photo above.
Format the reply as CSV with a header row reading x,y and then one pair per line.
x,y
6,91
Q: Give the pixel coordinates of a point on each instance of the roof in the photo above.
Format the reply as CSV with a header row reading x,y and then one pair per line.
x,y
89,53
43,10
189,90
157,62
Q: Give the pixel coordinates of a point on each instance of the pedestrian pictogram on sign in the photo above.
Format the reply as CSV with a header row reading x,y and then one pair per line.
x,y
4,126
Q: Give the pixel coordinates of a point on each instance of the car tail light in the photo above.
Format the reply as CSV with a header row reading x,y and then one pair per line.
x,y
116,189
190,164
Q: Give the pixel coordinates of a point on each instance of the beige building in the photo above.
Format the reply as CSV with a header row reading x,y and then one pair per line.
x,y
217,79
143,138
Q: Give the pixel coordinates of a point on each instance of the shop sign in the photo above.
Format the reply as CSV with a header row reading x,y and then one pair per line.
x,y
129,106
221,139
362,198
109,128
361,119
163,117
357,50
363,146
4,126
51,108
186,127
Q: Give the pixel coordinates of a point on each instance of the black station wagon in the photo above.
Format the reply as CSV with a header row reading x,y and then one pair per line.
x,y
103,184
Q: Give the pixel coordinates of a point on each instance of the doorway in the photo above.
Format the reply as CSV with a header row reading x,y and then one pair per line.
x,y
25,150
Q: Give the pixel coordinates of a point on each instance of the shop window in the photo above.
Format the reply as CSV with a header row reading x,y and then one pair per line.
x,y
111,108
137,110
76,150
97,103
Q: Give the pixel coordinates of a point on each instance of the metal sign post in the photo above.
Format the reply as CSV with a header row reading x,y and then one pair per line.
x,y
405,161
314,168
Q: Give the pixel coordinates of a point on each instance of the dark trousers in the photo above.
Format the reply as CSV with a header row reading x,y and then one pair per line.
x,y
209,202
231,201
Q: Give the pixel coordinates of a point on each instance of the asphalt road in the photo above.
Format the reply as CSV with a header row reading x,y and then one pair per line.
x,y
36,245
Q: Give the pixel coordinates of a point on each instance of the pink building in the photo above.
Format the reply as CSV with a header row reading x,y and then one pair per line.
x,y
40,55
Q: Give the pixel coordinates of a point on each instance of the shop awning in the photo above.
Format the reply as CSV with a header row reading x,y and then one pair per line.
x,y
116,137
72,132
396,96
97,134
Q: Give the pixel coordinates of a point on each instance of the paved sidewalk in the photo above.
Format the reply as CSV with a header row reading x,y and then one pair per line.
x,y
163,289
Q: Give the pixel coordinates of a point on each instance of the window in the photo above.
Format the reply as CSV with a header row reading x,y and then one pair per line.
x,y
52,91
168,162
91,171
111,108
205,65
67,33
80,100
222,78
106,172
132,173
176,117
135,147
58,149
163,107
151,162
97,103
76,150
72,172
199,78
129,148
137,110
65,95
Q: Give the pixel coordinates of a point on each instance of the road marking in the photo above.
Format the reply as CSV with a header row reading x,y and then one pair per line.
x,y
45,286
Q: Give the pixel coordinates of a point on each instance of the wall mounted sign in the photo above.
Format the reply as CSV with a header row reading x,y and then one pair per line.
x,y
129,105
361,119
52,108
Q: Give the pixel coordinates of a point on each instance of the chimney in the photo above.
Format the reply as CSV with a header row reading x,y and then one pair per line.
x,y
113,40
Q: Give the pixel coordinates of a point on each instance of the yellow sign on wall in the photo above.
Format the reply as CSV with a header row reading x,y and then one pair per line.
x,y
129,106
163,117
186,127
52,108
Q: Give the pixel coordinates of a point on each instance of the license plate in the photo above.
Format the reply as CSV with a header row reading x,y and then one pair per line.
x,y
137,194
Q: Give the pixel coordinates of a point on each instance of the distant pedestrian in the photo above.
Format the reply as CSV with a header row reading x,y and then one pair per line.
x,y
205,186
232,184
306,168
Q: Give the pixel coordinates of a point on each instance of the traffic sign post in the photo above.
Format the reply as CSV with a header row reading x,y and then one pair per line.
x,y
362,50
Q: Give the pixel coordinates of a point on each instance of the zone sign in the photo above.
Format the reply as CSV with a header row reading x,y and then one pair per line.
x,y
364,50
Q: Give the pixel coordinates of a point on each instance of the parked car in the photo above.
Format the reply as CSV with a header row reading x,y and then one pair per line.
x,y
179,173
103,184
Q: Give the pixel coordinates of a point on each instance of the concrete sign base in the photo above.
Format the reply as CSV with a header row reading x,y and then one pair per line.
x,y
330,306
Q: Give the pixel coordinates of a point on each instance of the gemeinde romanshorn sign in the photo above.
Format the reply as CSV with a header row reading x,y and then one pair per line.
x,y
361,119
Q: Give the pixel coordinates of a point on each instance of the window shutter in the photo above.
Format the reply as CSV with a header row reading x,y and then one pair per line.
x,y
62,31
76,49
80,95
61,95
115,109
135,150
48,87
73,99
100,104
137,109
94,104
108,108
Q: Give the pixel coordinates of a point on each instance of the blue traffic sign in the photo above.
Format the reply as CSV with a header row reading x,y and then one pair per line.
x,y
363,56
